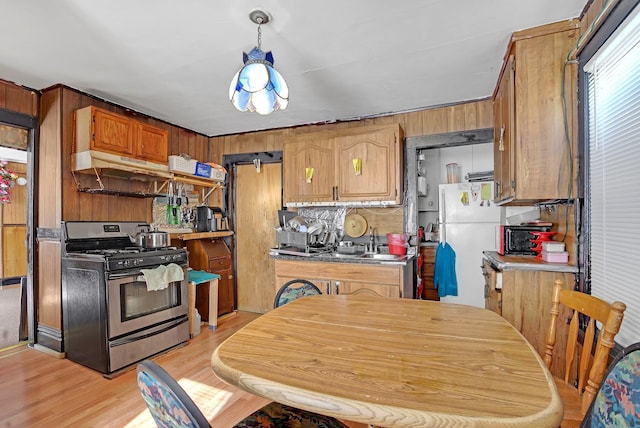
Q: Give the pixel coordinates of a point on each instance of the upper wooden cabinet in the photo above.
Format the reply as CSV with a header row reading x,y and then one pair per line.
x,y
346,166
105,131
531,152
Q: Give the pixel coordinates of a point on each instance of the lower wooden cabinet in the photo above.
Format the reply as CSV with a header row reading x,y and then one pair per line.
x,y
342,278
213,255
524,299
492,289
429,291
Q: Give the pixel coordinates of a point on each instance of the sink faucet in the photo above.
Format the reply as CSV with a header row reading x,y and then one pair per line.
x,y
372,241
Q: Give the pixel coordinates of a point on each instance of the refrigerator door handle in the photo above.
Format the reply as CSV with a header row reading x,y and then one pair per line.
x,y
442,228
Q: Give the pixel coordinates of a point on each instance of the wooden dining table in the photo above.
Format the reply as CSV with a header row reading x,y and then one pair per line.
x,y
392,363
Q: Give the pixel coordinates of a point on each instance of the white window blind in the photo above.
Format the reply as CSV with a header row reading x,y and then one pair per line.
x,y
614,173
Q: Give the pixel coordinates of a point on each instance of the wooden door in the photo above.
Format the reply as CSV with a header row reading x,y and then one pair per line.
x,y
13,228
377,179
112,133
152,143
314,151
257,201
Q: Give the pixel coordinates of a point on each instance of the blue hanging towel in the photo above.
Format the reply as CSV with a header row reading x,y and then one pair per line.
x,y
444,273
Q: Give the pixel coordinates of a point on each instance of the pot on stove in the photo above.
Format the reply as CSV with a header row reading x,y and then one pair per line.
x,y
151,239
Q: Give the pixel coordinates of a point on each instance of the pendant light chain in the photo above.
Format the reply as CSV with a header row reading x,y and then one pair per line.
x,y
259,33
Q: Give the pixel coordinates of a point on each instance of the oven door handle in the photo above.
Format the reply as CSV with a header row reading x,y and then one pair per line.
x,y
124,275
148,333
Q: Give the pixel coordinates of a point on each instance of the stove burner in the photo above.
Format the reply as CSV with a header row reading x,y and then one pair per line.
x,y
112,251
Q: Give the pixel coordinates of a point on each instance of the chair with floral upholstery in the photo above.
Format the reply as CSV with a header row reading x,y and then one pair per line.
x,y
617,402
171,406
293,290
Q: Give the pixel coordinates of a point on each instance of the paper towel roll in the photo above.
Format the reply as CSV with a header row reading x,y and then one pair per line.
x,y
422,186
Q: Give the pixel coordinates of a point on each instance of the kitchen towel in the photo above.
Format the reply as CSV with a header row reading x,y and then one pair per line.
x,y
444,271
159,278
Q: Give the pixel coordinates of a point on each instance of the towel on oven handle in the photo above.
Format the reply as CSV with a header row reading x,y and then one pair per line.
x,y
159,278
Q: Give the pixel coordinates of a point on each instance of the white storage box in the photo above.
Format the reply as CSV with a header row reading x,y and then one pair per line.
x,y
555,257
553,247
182,165
218,172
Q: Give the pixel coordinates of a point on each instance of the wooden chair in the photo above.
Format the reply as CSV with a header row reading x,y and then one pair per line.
x,y
617,402
171,406
590,368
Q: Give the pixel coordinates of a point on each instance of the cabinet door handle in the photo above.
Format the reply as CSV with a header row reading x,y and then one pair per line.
x,y
337,287
501,144
328,287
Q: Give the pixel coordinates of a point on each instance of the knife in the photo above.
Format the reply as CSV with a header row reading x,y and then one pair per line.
x,y
169,202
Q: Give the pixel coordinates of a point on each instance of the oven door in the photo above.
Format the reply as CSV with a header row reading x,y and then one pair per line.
x,y
132,307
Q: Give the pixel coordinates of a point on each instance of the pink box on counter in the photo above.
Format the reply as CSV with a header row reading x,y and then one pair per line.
x,y
555,256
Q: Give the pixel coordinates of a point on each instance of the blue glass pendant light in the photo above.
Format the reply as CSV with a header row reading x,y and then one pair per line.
x,y
257,86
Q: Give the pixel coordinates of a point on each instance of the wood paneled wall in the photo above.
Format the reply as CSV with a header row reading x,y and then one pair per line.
x,y
459,117
59,200
66,203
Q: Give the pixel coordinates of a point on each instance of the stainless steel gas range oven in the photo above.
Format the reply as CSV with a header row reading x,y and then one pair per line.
x,y
111,319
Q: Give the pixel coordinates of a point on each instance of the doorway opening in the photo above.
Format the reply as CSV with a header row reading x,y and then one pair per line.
x,y
17,227
252,198
427,155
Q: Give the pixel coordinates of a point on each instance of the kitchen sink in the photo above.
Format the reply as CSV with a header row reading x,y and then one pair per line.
x,y
347,255
382,256
364,256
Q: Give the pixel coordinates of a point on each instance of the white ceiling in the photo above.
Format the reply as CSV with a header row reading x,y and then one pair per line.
x,y
342,59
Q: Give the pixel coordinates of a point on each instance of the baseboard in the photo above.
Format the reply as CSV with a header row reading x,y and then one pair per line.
x,y
49,351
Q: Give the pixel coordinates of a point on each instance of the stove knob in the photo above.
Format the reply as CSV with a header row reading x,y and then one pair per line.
x,y
126,263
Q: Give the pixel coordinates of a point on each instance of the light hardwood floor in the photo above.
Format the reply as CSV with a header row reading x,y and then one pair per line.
x,y
39,390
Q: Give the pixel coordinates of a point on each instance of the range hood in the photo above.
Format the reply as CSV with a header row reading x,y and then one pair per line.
x,y
113,165
107,164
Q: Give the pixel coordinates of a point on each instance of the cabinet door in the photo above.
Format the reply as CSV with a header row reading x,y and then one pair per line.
x,y
309,170
504,127
378,176
226,297
112,133
492,296
152,143
384,290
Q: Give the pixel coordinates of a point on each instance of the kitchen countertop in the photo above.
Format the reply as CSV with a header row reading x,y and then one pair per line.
x,y
526,263
198,235
330,258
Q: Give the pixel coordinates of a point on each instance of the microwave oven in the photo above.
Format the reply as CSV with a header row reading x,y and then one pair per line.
x,y
516,240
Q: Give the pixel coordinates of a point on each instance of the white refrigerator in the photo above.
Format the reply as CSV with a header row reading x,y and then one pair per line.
x,y
467,219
